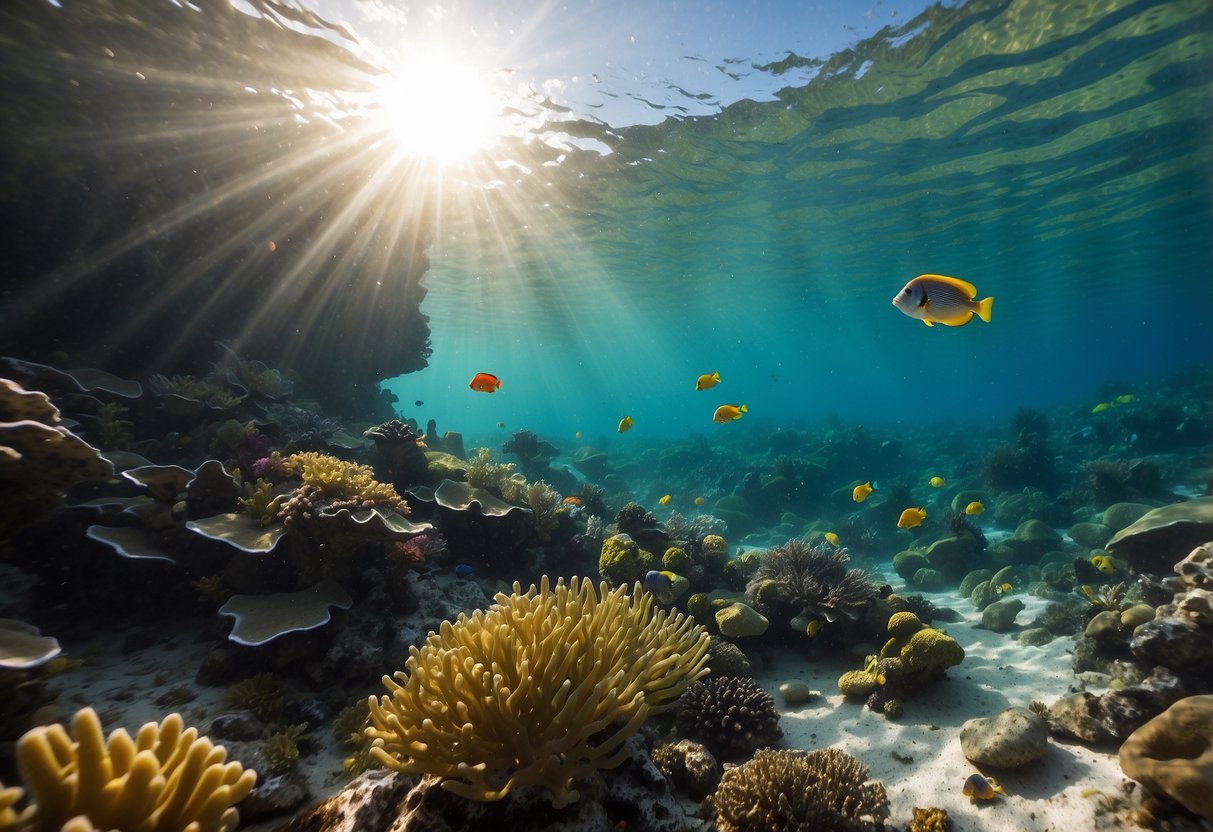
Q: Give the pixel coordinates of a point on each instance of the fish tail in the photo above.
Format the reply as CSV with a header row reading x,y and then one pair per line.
x,y
984,308
744,409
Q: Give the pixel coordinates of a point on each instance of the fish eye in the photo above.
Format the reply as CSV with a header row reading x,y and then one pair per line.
x,y
905,291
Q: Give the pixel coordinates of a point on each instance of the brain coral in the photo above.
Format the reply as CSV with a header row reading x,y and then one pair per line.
x,y
826,789
165,779
541,689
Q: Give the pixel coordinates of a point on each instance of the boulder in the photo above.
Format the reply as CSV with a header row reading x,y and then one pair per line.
x,y
1162,537
1172,755
1010,739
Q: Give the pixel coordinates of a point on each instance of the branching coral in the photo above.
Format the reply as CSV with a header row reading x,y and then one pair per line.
x,y
167,778
812,581
732,716
282,749
547,507
482,472
199,390
786,790
1106,598
541,689
341,480
260,502
261,694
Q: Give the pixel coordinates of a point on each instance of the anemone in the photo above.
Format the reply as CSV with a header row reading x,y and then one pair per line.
x,y
810,580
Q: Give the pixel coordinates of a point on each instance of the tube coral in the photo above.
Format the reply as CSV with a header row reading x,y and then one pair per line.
x,y
541,689
166,778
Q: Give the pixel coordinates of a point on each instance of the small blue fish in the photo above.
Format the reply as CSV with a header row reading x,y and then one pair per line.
x,y
660,584
464,570
418,403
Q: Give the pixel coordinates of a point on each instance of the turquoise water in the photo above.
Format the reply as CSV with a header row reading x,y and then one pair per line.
x,y
1055,157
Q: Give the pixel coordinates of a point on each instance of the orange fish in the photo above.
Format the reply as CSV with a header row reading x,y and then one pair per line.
x,y
573,500
485,383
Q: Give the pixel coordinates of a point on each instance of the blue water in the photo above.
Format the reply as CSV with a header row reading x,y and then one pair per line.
x,y
1058,162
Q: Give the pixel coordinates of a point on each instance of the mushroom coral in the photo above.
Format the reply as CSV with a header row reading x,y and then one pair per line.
x,y
166,778
543,688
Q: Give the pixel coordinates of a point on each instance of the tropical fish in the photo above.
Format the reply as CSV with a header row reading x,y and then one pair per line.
x,y
1004,588
814,628
974,508
707,381
938,299
728,413
501,424
1101,407
862,491
625,424
418,403
573,500
665,498
660,584
1104,563
485,383
981,788
937,482
464,570
577,435
700,501
912,517
831,538
1127,398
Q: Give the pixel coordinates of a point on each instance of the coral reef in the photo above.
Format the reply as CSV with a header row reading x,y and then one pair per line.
x,y
798,579
166,778
547,507
732,715
341,480
541,689
785,790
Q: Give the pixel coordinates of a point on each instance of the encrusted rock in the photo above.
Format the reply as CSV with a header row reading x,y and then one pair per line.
x,y
1172,755
1000,616
1124,711
689,766
739,620
1012,738
237,725
1090,535
1077,716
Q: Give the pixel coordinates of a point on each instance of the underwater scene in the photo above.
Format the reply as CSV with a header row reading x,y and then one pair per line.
x,y
602,417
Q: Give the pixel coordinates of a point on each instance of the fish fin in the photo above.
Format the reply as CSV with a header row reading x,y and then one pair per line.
x,y
743,409
984,308
928,323
968,288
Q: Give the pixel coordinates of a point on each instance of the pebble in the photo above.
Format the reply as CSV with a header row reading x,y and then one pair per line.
x,y
795,692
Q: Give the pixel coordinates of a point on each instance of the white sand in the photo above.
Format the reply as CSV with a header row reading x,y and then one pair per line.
x,y
997,672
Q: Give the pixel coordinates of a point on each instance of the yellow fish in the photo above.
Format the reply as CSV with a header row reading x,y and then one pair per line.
x,y
814,628
911,517
665,499
1003,589
937,482
625,424
1103,563
577,435
974,508
981,788
707,381
831,538
700,501
938,299
1127,398
1101,407
862,491
728,413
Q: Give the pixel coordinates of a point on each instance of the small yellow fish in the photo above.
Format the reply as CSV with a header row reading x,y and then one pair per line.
x,y
728,413
1003,589
1101,407
577,435
981,788
862,491
974,508
707,381
625,424
831,538
1127,398
1103,563
700,501
912,517
815,627
937,482
664,499
939,299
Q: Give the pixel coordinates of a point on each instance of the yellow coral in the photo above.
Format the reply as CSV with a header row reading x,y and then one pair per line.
x,y
904,624
482,472
341,480
260,502
541,689
930,820
166,778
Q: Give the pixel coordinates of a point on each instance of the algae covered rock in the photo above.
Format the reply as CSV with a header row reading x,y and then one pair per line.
x,y
740,620
909,562
1119,515
971,580
1031,539
1012,738
856,684
620,560
1159,539
1090,535
1000,616
1172,755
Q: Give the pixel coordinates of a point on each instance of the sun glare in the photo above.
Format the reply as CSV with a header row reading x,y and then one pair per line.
x,y
434,104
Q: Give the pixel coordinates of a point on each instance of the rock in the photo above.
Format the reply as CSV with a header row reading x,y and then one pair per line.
x,y
372,801
984,594
1012,738
1119,515
1035,636
1124,711
795,693
1031,539
928,580
1077,716
690,766
1172,755
952,554
1136,615
276,794
1090,535
971,580
1105,627
906,563
1000,616
237,725
740,620
1179,643
1158,540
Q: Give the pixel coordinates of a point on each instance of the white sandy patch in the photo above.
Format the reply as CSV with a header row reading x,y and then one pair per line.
x,y
997,672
